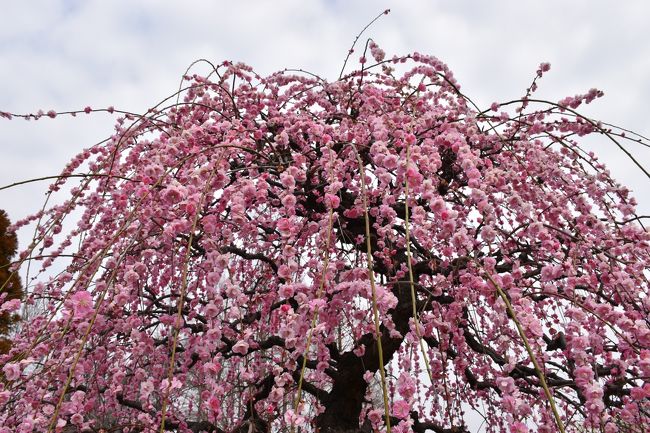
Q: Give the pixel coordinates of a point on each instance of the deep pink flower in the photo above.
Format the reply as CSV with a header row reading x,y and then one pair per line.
x,y
214,404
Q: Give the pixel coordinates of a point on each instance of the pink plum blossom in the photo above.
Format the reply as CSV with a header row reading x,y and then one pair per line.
x,y
12,371
241,347
82,303
401,409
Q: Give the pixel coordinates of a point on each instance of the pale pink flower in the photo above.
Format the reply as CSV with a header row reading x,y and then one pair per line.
x,y
403,426
285,226
173,194
287,180
375,416
211,310
332,201
518,427
175,384
289,201
286,291
506,384
10,306
26,426
377,53
131,277
284,271
240,347
401,409
213,367
11,371
77,419
390,162
406,386
294,419
82,304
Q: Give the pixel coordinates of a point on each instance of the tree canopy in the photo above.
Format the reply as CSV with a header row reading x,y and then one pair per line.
x,y
372,253
12,291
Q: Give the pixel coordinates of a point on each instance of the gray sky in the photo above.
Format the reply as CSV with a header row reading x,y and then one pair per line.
x,y
66,54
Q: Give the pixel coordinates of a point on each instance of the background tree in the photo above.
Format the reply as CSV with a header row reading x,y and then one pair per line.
x,y
12,291
271,253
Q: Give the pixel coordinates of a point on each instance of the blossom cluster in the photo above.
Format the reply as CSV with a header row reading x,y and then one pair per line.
x,y
216,234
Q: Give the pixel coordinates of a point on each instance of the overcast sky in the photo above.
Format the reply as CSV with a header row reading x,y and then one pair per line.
x,y
66,54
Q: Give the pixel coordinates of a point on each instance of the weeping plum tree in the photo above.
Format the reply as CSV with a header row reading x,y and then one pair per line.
x,y
375,253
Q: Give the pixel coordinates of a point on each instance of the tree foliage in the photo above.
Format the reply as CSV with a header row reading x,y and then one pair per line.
x,y
281,252
12,291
